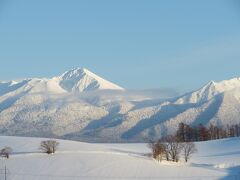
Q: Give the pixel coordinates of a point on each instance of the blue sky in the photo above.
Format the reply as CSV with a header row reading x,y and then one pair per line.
x,y
138,44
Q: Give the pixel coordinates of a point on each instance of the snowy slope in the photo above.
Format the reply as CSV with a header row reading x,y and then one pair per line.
x,y
80,79
80,105
76,160
74,80
210,90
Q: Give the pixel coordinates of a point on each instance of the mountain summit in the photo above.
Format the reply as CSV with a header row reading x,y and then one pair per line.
x,y
75,80
210,90
81,79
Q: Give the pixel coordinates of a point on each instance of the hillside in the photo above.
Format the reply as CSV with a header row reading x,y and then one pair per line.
x,y
80,105
77,160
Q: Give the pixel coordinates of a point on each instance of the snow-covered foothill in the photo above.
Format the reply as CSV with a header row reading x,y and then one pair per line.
x,y
218,159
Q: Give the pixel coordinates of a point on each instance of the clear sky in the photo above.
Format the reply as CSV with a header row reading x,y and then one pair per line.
x,y
138,44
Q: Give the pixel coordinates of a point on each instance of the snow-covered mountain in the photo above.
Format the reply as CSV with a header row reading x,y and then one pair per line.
x,y
210,90
75,80
81,105
79,80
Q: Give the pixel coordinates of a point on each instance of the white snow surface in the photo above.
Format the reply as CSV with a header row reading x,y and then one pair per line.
x,y
217,159
210,90
80,105
81,79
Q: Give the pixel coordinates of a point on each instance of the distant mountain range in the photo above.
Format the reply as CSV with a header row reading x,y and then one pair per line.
x,y
83,106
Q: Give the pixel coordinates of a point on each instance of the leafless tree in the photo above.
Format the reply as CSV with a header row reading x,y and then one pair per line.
x,y
158,150
173,147
5,152
188,149
203,133
49,146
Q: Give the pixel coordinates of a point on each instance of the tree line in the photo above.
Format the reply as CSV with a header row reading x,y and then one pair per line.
x,y
187,133
172,147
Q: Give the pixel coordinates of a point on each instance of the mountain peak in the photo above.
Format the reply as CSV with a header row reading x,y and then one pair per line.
x,y
210,90
81,79
74,72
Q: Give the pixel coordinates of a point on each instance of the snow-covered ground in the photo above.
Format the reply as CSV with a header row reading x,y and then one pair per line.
x,y
218,159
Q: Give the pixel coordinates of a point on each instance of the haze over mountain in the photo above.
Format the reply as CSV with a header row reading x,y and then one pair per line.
x,y
81,105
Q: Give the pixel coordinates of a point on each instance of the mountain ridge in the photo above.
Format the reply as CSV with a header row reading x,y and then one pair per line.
x,y
73,106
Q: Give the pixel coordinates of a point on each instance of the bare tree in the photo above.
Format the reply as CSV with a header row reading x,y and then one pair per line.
x,y
212,131
203,133
5,152
49,146
181,132
188,149
173,147
158,150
